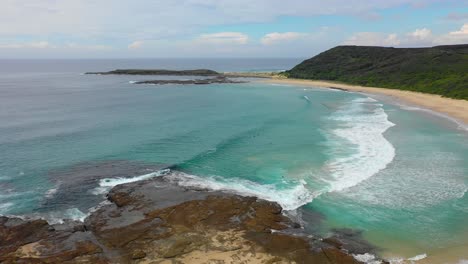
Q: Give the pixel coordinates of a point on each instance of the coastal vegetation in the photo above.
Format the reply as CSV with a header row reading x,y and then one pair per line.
x,y
441,70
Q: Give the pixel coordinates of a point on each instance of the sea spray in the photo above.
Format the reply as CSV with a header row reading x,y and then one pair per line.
x,y
290,198
107,183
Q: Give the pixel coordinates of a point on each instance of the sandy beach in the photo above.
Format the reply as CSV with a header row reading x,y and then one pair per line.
x,y
457,109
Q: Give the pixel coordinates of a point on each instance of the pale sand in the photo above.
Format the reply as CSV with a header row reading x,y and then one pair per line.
x,y
457,109
227,247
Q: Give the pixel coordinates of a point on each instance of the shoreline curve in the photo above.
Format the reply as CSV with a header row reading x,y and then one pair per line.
x,y
453,108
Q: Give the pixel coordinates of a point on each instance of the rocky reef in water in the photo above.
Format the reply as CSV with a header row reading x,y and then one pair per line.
x,y
219,79
197,72
159,221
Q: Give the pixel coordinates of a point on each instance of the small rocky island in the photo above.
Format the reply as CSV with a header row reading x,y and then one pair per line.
x,y
161,221
197,72
218,79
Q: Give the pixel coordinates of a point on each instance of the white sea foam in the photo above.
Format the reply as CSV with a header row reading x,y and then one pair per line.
x,y
75,214
400,260
132,82
363,129
289,198
58,217
107,183
4,207
418,257
461,125
396,260
51,192
365,100
367,258
277,84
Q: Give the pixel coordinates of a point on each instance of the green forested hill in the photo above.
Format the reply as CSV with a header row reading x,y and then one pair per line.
x,y
439,70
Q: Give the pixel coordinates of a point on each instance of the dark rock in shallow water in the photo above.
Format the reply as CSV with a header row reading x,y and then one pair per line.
x,y
197,72
74,184
219,79
158,220
350,240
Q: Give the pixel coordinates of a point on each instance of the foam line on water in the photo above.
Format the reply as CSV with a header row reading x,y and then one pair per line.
x,y
362,128
461,125
367,258
4,207
277,84
295,195
107,183
418,257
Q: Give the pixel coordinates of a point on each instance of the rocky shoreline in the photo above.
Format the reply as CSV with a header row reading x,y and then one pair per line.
x,y
160,221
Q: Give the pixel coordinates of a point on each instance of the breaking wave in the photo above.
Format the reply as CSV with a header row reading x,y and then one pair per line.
x,y
290,197
360,127
106,184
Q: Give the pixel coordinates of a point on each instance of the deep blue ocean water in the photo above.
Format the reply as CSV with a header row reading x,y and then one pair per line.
x,y
363,162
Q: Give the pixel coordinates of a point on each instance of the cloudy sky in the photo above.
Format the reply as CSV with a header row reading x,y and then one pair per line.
x,y
222,28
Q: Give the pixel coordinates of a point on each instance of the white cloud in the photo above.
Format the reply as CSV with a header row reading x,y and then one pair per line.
x,y
454,37
392,39
419,38
276,37
223,38
373,39
168,26
46,46
33,45
136,44
462,32
86,47
421,34
151,19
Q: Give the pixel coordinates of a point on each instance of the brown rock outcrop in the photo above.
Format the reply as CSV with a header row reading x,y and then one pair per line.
x,y
157,221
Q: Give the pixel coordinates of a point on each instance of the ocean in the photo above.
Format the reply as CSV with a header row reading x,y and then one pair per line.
x,y
394,172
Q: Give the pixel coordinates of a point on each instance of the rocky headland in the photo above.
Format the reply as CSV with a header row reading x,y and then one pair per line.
x,y
160,221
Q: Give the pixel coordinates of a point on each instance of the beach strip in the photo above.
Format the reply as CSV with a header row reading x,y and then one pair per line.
x,y
457,109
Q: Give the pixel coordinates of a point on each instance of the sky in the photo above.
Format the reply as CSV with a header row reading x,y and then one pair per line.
x,y
222,28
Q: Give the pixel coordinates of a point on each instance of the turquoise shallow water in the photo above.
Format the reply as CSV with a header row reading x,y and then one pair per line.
x,y
396,173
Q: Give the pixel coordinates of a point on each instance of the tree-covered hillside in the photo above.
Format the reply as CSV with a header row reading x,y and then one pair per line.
x,y
439,70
